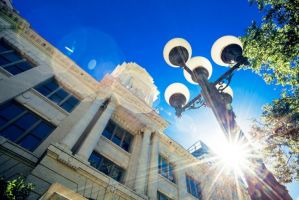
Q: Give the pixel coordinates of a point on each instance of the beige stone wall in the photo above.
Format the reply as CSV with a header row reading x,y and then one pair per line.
x,y
60,167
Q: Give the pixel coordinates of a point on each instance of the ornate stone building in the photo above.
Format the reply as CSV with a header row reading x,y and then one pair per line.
x,y
77,138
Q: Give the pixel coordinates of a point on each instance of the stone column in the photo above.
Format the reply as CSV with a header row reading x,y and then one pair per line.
x,y
15,85
153,170
133,164
141,176
72,137
181,178
93,137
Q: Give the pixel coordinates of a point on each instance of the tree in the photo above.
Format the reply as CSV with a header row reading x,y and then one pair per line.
x,y
273,46
278,136
273,51
15,189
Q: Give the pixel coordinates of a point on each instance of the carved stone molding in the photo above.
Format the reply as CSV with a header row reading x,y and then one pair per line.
x,y
148,129
111,188
133,104
68,160
23,28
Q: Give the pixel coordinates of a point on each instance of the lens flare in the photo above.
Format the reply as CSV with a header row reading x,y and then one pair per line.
x,y
234,156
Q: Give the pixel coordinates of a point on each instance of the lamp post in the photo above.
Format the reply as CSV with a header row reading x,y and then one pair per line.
x,y
217,95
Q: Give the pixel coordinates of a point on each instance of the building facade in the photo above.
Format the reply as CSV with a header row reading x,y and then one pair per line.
x,y
76,138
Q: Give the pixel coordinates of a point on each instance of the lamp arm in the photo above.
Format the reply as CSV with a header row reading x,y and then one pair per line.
x,y
191,105
195,100
187,69
199,99
228,74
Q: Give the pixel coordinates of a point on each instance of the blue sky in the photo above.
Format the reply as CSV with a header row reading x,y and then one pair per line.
x,y
99,34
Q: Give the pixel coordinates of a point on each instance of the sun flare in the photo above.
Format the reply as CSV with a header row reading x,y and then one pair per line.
x,y
233,156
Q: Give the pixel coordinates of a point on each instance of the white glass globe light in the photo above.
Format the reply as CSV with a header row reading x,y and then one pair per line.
x,y
195,62
176,42
228,90
220,44
174,89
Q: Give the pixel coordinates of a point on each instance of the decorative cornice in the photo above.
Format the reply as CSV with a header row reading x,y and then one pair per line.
x,y
180,150
133,104
22,27
148,129
123,122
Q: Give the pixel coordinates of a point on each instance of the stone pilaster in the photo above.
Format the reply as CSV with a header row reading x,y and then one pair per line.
x,y
93,137
141,176
133,164
153,170
181,178
64,127
72,137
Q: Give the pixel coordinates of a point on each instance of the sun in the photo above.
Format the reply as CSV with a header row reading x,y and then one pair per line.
x,y
233,156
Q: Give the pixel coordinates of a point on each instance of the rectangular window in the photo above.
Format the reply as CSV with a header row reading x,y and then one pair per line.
x,y
11,60
162,196
166,169
118,135
57,94
193,187
22,126
106,166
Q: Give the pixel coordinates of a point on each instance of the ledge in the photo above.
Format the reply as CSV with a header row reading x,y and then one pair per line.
x,y
116,146
43,106
169,181
113,152
58,191
82,167
167,187
11,147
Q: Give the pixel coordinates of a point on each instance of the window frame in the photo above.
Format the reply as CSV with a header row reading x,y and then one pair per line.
x,y
24,132
161,194
169,171
54,92
189,180
113,167
125,133
14,50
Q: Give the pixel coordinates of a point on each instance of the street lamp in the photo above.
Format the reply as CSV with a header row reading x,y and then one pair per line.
x,y
197,70
226,51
